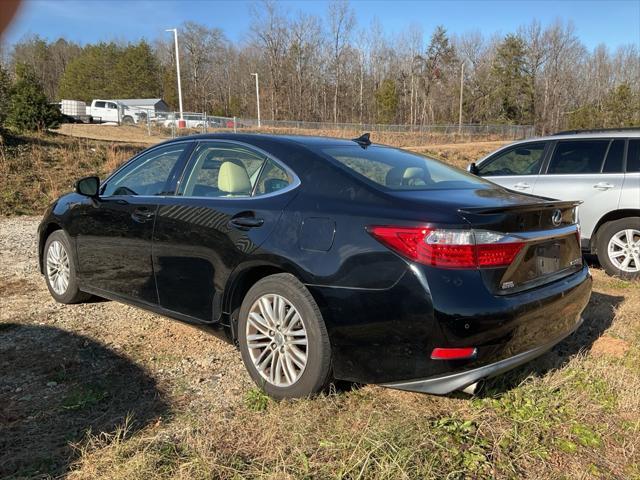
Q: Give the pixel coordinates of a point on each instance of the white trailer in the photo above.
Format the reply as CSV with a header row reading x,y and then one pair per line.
x,y
73,108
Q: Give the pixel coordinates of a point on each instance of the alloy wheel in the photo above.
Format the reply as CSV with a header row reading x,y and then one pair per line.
x,y
277,340
58,267
624,250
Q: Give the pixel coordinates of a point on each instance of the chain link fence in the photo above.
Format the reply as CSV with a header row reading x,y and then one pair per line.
x,y
168,124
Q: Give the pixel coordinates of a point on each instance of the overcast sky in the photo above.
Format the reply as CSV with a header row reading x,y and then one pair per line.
x,y
610,22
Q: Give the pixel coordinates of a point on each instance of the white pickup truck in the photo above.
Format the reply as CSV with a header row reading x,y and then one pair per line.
x,y
113,111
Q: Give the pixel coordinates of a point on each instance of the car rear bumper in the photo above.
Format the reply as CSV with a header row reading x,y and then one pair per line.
x,y
448,383
387,336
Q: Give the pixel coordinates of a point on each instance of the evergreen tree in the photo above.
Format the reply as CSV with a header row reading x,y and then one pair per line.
x,y
5,87
28,107
91,74
512,89
386,101
136,73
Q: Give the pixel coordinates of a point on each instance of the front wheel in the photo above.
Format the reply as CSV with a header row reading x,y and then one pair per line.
x,y
283,339
60,270
619,247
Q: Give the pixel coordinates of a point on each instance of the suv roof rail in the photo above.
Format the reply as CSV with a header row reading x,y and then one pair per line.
x,y
598,130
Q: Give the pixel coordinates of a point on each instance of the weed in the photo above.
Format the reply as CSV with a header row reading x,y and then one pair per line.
x,y
256,400
84,396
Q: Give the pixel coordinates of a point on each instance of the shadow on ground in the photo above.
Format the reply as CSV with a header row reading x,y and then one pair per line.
x,y
598,316
55,386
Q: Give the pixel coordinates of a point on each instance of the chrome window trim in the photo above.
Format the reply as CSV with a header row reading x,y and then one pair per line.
x,y
295,183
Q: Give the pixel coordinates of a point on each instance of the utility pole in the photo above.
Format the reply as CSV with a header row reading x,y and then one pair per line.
x,y
257,97
175,37
461,90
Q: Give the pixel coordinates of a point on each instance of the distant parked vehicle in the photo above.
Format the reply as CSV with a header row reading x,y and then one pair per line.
x,y
74,111
112,111
599,167
191,120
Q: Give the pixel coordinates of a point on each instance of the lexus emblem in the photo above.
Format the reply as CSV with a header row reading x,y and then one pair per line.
x,y
556,217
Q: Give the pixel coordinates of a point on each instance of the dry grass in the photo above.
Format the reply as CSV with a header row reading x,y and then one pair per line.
x,y
563,416
36,170
411,140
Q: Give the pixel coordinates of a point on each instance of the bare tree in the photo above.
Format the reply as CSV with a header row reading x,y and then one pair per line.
x,y
341,24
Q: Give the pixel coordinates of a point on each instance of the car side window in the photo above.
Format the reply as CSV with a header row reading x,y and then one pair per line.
x,y
147,174
615,157
578,156
100,105
519,160
222,170
272,178
633,156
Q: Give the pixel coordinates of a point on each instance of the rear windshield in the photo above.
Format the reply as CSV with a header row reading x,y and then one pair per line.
x,y
401,170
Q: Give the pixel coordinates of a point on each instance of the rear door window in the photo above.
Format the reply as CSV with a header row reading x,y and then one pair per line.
x,y
633,156
578,156
615,156
519,160
222,170
100,105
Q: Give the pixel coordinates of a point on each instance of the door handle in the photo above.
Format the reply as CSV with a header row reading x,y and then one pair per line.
x,y
521,186
245,223
142,214
603,186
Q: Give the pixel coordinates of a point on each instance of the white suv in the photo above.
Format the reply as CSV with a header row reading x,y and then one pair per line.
x,y
599,167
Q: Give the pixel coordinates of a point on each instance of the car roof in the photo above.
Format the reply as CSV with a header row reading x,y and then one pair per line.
x,y
635,133
250,138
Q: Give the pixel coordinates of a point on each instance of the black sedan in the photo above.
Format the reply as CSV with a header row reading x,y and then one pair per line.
x,y
325,259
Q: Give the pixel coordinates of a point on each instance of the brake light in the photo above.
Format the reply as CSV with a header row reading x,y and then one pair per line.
x,y
453,353
450,248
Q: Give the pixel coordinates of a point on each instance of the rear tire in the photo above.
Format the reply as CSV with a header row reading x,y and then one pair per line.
x,y
618,246
60,270
283,339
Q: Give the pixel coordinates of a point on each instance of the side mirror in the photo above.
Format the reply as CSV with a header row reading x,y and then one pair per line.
x,y
473,168
89,186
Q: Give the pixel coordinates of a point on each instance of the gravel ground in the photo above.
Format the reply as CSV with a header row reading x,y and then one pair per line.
x,y
92,364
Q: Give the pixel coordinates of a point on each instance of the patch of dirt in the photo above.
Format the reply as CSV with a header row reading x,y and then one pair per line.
x,y
609,346
14,286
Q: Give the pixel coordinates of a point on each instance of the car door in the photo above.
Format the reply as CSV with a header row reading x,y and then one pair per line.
x,y
590,170
229,200
515,167
630,197
114,232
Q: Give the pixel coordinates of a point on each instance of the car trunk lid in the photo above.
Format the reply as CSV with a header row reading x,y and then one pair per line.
x,y
547,229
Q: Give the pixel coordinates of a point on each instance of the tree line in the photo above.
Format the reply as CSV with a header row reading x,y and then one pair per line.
x,y
329,68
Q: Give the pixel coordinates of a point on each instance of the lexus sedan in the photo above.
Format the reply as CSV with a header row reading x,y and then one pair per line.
x,y
325,259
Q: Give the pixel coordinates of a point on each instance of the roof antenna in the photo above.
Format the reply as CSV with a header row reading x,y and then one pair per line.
x,y
363,140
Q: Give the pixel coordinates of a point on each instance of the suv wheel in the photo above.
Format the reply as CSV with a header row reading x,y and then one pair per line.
x,y
60,270
618,247
283,339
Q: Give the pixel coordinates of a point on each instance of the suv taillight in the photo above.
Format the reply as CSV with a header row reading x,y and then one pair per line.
x,y
449,248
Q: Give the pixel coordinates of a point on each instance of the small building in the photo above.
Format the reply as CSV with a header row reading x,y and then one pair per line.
x,y
150,105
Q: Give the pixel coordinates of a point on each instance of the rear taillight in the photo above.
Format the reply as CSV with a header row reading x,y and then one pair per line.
x,y
450,248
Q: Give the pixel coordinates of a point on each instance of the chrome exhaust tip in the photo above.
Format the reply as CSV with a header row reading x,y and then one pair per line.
x,y
473,389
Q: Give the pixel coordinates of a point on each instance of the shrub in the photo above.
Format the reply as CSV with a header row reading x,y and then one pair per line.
x,y
28,107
